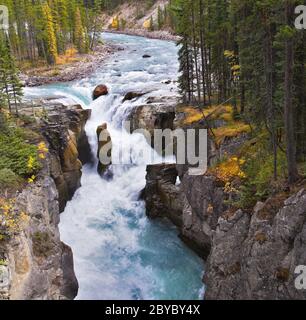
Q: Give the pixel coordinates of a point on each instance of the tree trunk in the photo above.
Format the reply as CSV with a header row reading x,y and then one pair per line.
x,y
288,108
202,50
195,51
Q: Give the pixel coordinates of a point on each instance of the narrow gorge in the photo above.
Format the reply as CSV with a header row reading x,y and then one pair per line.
x,y
118,252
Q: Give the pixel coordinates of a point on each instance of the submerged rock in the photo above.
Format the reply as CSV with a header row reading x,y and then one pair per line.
x,y
132,95
166,81
100,90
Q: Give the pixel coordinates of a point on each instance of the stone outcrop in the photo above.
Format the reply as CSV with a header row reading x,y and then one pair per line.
x,y
194,205
69,148
254,256
162,195
100,90
133,95
249,255
158,113
104,140
36,265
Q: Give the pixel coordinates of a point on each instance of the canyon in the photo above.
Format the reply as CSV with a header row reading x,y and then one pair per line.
x,y
120,243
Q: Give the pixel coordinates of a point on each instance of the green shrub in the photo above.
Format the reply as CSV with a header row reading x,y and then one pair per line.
x,y
9,180
18,155
27,134
259,170
3,262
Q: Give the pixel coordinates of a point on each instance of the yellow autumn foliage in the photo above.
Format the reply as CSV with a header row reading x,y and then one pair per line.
x,y
147,24
68,57
193,114
229,170
32,179
31,163
115,22
11,219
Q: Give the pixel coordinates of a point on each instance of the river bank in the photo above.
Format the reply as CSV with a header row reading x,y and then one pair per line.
x,y
159,35
81,67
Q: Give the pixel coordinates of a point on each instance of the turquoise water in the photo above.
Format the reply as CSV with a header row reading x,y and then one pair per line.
x,y
118,252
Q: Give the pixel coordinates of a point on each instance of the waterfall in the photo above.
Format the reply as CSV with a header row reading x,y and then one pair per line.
x,y
118,252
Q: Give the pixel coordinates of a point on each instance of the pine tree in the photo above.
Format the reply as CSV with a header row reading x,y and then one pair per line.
x,y
79,33
160,17
151,24
50,44
10,85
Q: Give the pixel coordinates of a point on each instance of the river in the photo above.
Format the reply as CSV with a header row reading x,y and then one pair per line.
x,y
118,252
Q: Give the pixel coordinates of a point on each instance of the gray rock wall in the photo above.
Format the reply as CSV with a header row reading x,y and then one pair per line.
x,y
254,256
38,266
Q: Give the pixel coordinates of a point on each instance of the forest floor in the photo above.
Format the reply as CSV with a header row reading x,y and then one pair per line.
x,y
70,66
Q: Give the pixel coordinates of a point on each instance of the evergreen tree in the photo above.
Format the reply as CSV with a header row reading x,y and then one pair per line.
x,y
160,17
79,33
10,85
50,44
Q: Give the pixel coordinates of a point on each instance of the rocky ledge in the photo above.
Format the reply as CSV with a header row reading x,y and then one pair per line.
x,y
64,129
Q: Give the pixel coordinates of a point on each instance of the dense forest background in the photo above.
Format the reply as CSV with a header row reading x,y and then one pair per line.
x,y
250,54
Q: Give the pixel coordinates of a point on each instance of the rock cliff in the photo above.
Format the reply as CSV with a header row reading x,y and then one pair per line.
x,y
248,255
34,263
194,205
254,256
161,194
64,130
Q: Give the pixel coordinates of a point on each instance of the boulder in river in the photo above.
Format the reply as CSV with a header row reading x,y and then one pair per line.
x,y
100,90
166,81
132,95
